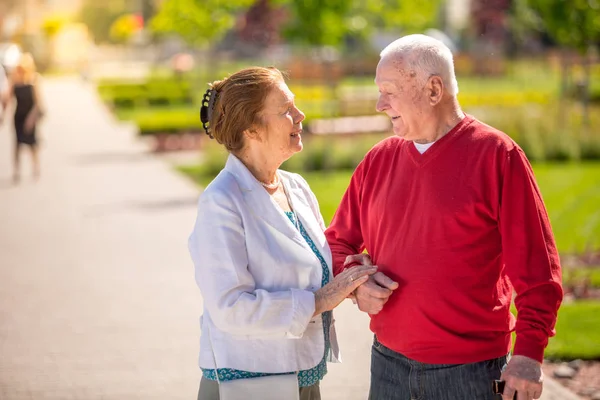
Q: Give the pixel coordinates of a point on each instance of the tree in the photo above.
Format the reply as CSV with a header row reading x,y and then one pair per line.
x,y
99,16
197,22
310,22
331,22
407,16
260,26
573,24
319,23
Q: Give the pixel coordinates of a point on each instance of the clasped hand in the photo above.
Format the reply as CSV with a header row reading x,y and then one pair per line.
x,y
372,295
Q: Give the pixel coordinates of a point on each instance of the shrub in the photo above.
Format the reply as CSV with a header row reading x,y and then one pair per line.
x,y
168,121
155,91
590,147
547,133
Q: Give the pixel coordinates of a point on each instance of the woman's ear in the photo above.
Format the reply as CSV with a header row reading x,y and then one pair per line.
x,y
252,134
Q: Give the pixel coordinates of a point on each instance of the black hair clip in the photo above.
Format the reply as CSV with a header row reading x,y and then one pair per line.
x,y
206,110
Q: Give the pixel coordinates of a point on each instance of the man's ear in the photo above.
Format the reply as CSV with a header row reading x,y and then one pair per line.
x,y
435,89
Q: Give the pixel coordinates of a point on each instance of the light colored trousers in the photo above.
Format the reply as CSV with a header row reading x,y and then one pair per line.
x,y
209,390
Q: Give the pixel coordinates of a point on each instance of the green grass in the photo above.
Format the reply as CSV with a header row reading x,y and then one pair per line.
x,y
577,332
329,189
571,193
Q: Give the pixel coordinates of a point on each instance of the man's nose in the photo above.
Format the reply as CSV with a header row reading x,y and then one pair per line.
x,y
381,105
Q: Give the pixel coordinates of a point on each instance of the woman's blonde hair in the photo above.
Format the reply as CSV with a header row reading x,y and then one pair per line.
x,y
25,70
238,102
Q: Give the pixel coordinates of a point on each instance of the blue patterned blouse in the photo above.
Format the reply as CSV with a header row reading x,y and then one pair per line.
x,y
307,377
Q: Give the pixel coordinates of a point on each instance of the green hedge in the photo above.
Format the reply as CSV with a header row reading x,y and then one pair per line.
x,y
555,132
576,276
175,121
548,133
320,101
172,119
153,92
546,129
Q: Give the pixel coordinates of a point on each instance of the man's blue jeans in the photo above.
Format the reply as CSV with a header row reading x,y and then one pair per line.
x,y
395,377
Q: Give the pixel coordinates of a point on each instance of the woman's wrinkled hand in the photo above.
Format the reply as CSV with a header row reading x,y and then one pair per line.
x,y
331,295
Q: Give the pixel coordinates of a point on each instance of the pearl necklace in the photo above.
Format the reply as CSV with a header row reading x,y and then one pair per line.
x,y
271,186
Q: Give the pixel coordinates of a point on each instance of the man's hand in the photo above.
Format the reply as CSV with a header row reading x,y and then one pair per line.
x,y
332,294
523,375
363,259
373,294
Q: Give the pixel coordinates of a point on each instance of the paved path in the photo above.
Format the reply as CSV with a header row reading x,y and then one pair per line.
x,y
97,295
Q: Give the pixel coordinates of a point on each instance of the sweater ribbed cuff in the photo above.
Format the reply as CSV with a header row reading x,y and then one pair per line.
x,y
529,348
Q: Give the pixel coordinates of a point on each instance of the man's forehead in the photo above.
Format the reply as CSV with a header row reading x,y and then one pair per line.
x,y
393,61
388,71
391,69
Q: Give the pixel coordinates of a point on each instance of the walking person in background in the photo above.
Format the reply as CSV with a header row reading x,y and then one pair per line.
x,y
450,212
3,88
23,87
262,263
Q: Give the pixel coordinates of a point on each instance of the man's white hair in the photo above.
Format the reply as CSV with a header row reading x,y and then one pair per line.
x,y
426,56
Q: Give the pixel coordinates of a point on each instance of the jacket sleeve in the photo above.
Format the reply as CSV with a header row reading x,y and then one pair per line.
x,y
530,256
218,248
344,234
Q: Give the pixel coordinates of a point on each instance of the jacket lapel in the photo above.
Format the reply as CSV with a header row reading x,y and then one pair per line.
x,y
310,223
259,202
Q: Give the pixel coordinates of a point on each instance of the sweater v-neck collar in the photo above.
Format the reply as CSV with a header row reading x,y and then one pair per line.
x,y
437,147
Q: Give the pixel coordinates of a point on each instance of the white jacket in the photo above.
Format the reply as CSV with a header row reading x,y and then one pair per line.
x,y
257,275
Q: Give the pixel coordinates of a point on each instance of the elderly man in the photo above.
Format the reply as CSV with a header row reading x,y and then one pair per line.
x,y
450,212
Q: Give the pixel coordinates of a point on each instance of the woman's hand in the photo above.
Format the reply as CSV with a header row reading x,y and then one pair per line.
x,y
375,292
331,295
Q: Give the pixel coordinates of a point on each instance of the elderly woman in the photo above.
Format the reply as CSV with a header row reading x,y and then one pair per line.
x,y
262,263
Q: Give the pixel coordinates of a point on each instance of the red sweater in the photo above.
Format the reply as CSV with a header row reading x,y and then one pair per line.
x,y
458,228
